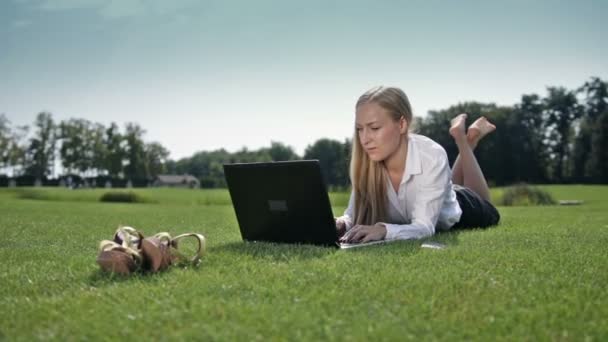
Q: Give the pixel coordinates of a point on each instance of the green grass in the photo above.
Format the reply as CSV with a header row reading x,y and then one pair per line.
x,y
541,275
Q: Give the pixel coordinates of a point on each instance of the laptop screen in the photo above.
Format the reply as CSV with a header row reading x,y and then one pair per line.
x,y
281,202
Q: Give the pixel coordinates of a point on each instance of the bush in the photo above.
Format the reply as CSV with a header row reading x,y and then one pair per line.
x,y
526,195
33,194
122,196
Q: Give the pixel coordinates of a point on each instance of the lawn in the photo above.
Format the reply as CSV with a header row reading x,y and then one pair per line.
x,y
542,274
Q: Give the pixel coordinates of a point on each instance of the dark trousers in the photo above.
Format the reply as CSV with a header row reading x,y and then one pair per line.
x,y
476,211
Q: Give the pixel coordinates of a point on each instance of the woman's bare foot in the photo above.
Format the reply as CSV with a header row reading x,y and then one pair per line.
x,y
457,129
478,130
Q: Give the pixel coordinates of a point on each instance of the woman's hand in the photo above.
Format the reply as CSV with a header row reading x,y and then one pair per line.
x,y
340,227
361,233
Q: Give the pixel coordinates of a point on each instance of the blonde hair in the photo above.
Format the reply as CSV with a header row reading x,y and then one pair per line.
x,y
367,176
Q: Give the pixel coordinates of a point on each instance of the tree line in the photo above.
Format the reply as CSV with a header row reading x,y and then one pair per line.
x,y
561,137
83,148
333,156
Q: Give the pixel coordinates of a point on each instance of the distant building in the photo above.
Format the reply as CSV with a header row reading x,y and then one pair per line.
x,y
177,181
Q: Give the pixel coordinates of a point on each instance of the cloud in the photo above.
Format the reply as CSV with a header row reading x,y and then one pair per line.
x,y
19,24
123,8
62,5
113,9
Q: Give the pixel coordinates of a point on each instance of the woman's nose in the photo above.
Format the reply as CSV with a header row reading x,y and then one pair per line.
x,y
365,137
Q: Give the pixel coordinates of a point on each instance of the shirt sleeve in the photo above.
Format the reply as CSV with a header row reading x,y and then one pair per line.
x,y
427,208
348,216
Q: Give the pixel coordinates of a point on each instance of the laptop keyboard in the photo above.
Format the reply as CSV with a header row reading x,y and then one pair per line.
x,y
345,245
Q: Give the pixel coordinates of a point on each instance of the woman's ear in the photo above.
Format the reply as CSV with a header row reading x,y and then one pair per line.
x,y
403,125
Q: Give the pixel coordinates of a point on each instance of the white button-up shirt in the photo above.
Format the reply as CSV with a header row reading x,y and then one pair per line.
x,y
425,201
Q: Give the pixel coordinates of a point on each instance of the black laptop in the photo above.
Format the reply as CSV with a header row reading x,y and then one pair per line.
x,y
284,202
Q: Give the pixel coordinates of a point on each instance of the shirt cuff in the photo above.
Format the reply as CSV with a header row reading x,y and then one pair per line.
x,y
390,230
396,232
347,221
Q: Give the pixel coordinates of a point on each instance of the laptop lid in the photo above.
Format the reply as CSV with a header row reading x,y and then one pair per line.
x,y
281,202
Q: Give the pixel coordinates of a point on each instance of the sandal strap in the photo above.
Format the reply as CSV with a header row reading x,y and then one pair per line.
x,y
130,237
201,246
108,245
164,237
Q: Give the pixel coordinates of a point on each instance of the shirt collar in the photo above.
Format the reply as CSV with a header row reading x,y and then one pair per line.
x,y
413,164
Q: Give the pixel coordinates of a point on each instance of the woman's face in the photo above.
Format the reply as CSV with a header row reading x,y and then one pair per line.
x,y
379,134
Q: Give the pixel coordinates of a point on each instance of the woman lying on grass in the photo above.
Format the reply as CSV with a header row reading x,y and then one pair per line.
x,y
403,187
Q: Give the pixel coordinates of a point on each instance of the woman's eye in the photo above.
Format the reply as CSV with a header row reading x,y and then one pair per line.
x,y
375,128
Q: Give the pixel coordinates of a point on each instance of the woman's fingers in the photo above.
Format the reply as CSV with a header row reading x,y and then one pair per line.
x,y
347,237
358,235
371,236
367,238
361,233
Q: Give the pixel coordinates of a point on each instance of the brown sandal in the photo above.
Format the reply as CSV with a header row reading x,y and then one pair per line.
x,y
130,251
122,254
161,251
155,251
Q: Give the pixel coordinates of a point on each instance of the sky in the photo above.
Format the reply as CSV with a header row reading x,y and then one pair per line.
x,y
201,75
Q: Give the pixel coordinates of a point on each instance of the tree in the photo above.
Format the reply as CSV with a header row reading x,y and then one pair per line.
x,y
135,152
17,150
280,152
96,137
581,150
200,166
333,158
596,101
12,146
561,111
156,156
584,152
597,165
5,141
75,151
347,147
208,165
114,152
41,150
246,156
526,141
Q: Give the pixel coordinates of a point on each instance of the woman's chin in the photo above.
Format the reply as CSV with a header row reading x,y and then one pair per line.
x,y
375,157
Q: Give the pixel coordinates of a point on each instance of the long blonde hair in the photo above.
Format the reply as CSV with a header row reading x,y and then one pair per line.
x,y
367,176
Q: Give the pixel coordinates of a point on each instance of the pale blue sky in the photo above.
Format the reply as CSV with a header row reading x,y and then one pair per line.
x,y
200,75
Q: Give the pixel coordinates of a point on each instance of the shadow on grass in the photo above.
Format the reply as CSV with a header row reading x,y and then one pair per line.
x,y
275,251
402,248
100,278
448,238
288,252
